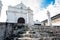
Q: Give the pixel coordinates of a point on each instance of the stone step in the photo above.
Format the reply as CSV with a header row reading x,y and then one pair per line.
x,y
27,38
26,35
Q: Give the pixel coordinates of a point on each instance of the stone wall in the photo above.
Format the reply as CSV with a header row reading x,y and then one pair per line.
x,y
6,30
2,31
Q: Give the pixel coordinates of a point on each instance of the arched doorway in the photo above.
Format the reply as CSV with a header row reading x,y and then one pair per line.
x,y
21,20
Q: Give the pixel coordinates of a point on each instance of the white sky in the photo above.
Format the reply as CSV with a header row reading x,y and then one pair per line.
x,y
34,5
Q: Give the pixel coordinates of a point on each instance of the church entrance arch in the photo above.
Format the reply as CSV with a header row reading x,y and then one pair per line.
x,y
21,20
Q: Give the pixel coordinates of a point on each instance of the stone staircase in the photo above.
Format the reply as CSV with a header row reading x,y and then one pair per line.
x,y
35,32
29,36
26,33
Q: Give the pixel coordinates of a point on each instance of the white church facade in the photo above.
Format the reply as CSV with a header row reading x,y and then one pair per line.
x,y
19,14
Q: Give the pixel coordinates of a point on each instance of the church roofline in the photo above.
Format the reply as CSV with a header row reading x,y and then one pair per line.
x,y
27,8
22,4
16,6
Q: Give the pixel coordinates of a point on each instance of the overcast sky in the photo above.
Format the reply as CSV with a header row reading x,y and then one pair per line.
x,y
39,8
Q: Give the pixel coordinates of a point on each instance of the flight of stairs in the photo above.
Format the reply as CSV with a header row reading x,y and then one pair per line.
x,y
29,36
25,33
35,32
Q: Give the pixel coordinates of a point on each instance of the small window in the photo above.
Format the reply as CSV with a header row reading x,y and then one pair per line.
x,y
21,7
